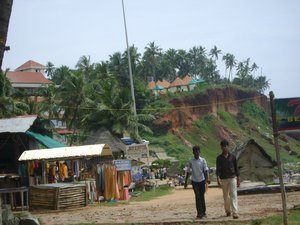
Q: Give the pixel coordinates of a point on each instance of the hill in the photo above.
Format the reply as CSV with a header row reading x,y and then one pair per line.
x,y
204,117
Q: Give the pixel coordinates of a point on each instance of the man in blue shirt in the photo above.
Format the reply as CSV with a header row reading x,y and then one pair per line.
x,y
199,170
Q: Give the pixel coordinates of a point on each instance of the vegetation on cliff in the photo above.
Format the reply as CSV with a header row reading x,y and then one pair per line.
x,y
206,116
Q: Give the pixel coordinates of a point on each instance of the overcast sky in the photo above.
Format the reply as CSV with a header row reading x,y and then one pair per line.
x,y
61,31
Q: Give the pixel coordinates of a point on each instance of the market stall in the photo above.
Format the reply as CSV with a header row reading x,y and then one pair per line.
x,y
63,177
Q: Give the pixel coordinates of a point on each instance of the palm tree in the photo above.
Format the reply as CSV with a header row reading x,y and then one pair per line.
x,y
49,105
117,67
86,67
71,96
169,64
183,63
254,67
110,107
59,74
230,62
10,105
5,12
50,69
150,60
262,84
214,53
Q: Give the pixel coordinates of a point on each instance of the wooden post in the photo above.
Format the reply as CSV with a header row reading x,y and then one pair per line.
x,y
1,210
279,164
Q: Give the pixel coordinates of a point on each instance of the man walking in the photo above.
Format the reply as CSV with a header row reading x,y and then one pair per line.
x,y
228,179
199,170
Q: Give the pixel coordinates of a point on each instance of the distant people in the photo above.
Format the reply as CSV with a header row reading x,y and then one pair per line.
x,y
63,171
199,170
161,174
180,180
228,179
171,182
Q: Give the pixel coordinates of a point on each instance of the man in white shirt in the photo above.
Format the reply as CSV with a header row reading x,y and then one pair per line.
x,y
199,170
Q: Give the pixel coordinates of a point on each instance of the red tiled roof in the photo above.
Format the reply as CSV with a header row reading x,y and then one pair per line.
x,y
151,85
186,79
27,77
163,83
29,65
177,82
64,131
37,98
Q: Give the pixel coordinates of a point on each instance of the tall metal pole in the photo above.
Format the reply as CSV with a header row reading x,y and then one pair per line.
x,y
129,64
279,164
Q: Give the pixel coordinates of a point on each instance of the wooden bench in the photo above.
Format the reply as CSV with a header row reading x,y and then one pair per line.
x,y
11,191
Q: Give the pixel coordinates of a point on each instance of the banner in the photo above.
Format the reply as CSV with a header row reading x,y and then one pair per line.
x,y
136,151
122,164
287,114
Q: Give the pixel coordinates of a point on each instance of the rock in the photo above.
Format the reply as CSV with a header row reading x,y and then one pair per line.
x,y
8,217
27,219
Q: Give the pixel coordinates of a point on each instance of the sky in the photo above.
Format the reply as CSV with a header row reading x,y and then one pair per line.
x,y
61,31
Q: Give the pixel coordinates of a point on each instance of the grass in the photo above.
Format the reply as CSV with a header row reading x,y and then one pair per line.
x,y
162,190
293,218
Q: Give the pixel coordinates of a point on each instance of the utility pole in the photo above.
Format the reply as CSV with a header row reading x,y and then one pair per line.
x,y
279,164
129,64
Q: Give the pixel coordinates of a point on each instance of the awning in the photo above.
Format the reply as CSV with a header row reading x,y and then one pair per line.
x,y
45,140
64,153
19,124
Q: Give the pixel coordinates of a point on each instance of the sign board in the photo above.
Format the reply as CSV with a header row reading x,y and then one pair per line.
x,y
122,165
137,151
287,114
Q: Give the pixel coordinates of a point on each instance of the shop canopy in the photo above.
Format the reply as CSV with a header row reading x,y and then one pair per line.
x,y
65,153
45,140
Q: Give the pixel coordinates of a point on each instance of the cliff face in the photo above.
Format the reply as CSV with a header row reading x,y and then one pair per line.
x,y
188,109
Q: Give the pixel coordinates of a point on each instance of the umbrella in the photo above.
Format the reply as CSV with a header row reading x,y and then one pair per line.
x,y
158,88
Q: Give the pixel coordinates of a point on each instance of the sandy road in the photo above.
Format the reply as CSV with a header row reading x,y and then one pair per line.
x,y
177,207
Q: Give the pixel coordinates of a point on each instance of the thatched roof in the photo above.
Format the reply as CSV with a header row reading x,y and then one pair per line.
x,y
103,136
254,163
242,148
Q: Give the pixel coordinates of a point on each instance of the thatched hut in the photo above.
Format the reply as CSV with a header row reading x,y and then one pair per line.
x,y
254,163
103,135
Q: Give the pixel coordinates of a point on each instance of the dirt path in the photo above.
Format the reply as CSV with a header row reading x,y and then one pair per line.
x,y
176,207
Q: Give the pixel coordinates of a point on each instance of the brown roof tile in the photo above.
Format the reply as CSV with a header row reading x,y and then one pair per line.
x,y
163,83
177,82
151,85
27,77
29,65
186,79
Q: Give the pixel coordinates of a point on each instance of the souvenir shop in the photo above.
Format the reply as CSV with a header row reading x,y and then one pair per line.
x,y
70,177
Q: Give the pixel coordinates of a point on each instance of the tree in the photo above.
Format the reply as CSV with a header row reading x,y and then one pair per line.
x,y
169,64
71,96
254,67
230,62
183,63
117,68
50,69
9,105
111,107
214,53
59,74
261,83
5,12
49,105
86,67
150,60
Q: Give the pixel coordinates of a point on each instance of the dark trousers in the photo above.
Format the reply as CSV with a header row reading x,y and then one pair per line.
x,y
199,190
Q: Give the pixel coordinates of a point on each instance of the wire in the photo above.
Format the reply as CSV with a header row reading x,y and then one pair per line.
x,y
167,108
